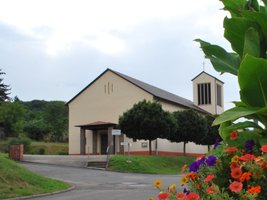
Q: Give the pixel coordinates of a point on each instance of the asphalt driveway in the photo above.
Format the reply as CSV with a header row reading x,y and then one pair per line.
x,y
101,185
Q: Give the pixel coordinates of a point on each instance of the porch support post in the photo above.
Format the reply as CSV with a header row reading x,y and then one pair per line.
x,y
82,141
94,142
110,140
121,147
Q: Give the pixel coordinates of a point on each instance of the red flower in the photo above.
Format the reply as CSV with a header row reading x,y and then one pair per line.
x,y
192,196
233,135
163,196
264,148
245,176
211,190
236,186
253,190
234,165
247,158
236,173
180,196
230,150
209,178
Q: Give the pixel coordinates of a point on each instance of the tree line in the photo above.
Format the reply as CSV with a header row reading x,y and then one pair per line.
x,y
148,121
38,119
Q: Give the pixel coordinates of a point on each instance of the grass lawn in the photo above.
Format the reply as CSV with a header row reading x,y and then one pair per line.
x,y
149,164
50,148
16,180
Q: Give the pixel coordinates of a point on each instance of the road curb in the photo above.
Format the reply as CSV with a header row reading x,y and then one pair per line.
x,y
43,195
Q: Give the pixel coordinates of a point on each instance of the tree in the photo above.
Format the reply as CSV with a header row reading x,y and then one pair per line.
x,y
56,117
192,127
148,121
212,132
4,89
12,118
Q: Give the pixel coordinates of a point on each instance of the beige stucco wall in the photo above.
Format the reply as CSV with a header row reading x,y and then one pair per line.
x,y
170,106
97,104
212,108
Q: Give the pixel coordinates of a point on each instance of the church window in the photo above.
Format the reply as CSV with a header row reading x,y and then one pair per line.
x,y
204,93
219,95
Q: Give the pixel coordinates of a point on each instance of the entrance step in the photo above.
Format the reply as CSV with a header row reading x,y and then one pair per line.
x,y
97,164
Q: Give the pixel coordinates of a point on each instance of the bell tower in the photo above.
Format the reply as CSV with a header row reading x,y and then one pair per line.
x,y
208,93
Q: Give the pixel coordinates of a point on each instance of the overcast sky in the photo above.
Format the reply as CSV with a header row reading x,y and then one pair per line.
x,y
52,49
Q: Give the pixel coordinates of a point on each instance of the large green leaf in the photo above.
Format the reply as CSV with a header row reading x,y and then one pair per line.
x,y
221,60
243,125
252,44
235,30
235,113
259,17
252,78
234,7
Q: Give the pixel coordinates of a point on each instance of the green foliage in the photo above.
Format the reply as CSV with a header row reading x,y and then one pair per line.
x,y
246,30
46,120
11,118
147,120
55,115
16,180
192,127
4,89
149,164
212,132
21,140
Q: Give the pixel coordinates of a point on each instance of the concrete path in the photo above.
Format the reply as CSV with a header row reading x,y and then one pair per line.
x,y
64,160
102,185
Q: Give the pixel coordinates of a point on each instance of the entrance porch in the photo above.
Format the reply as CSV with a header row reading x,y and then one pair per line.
x,y
96,138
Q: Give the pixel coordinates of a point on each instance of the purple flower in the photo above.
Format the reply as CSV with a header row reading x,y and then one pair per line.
x,y
217,143
249,145
211,160
194,167
201,161
186,191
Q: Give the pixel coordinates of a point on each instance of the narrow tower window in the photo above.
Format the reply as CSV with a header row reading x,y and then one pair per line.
x,y
204,95
219,95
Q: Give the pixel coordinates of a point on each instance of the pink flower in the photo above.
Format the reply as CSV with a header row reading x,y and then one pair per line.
x,y
236,186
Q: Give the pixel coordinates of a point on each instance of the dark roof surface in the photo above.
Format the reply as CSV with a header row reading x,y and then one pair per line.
x,y
155,91
96,125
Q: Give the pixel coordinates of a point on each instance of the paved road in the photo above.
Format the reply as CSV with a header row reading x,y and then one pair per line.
x,y
102,185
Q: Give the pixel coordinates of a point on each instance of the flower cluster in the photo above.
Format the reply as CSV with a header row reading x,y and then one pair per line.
x,y
237,172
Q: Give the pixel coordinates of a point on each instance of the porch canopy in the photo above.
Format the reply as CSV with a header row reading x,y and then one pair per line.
x,y
95,126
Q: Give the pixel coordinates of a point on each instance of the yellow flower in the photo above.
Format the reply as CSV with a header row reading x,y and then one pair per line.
x,y
183,180
157,183
172,186
235,158
150,198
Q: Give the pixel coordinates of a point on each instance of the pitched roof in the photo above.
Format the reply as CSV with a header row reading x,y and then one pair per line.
x,y
155,91
203,72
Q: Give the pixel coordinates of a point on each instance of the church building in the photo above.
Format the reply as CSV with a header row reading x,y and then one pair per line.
x,y
95,110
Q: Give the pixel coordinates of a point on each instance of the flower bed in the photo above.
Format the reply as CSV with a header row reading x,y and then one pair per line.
x,y
236,173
